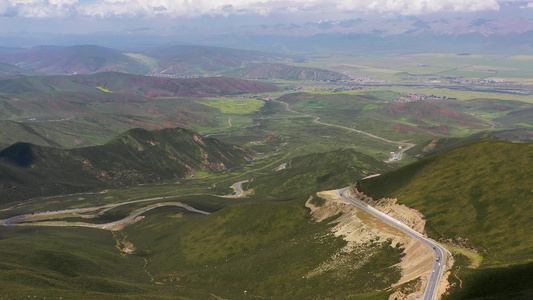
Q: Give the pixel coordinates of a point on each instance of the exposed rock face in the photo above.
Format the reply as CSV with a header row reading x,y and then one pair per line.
x,y
411,217
358,228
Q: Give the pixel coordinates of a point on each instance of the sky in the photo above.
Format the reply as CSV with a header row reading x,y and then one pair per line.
x,y
86,16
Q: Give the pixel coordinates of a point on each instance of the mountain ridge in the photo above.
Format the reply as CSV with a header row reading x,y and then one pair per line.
x,y
136,157
113,82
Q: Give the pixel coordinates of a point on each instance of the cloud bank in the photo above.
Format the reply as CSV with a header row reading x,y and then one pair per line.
x,y
193,8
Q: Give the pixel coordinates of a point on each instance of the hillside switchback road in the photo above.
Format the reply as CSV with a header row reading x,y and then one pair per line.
x,y
438,252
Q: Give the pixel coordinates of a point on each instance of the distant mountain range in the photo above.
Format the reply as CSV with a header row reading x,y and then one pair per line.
x,y
400,25
86,59
402,34
170,61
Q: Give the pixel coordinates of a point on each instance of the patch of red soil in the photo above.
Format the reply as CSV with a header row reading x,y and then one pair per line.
x,y
403,127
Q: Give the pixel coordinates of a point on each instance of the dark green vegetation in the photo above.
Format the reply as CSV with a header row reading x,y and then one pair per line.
x,y
69,263
265,243
308,174
505,282
75,111
265,249
136,157
478,196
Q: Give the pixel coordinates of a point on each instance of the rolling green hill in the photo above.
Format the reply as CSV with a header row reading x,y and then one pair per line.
x,y
285,72
112,82
243,250
477,196
260,250
190,59
85,110
380,114
311,173
80,59
135,157
68,263
7,71
180,60
76,119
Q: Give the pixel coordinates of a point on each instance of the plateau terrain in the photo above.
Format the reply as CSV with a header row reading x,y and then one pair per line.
x,y
363,158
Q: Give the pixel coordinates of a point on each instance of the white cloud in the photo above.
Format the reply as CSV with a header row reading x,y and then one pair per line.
x,y
418,7
180,8
38,8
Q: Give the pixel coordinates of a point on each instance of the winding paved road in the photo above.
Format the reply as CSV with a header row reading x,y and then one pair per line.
x,y
238,190
438,252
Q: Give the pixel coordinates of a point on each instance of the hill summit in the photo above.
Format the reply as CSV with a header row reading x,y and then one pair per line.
x,y
135,157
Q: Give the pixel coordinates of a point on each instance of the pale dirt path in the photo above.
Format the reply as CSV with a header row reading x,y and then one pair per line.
x,y
113,226
357,226
396,157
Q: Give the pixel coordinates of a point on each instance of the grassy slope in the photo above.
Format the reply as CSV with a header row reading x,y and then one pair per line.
x,y
10,70
112,82
264,249
377,112
478,196
285,72
81,59
138,156
187,59
311,173
36,262
72,119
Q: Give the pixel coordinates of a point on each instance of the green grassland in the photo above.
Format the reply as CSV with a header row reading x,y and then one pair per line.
x,y
477,196
383,118
136,157
466,95
311,173
234,106
68,120
394,67
265,249
135,85
150,62
68,263
492,181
